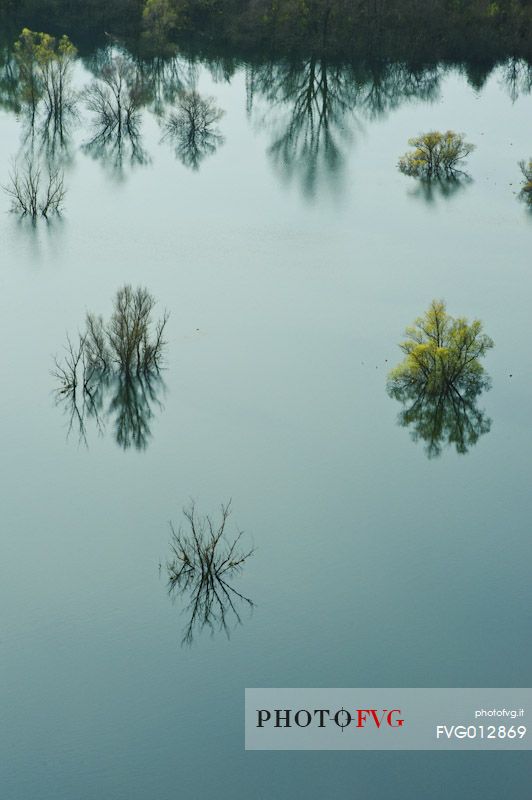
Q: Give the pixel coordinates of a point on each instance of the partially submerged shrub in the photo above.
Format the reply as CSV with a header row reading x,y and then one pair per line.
x,y
441,378
436,155
526,189
119,360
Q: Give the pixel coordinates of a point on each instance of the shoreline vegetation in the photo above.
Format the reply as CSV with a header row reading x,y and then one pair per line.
x,y
477,32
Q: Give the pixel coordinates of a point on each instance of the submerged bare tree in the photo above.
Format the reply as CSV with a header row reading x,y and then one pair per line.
x,y
192,127
113,370
202,562
134,341
35,192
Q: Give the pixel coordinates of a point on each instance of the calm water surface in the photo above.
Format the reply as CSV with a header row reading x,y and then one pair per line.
x,y
290,271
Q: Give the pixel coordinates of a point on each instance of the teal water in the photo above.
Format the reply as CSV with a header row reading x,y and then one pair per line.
x,y
290,272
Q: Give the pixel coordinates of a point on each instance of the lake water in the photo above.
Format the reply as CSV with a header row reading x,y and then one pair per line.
x,y
290,271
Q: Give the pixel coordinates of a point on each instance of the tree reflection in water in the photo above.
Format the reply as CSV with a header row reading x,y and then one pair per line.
x,y
115,99
202,563
441,380
307,105
192,128
431,189
312,105
450,417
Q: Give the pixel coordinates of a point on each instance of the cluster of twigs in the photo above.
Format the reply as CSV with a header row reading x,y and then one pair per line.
x,y
202,562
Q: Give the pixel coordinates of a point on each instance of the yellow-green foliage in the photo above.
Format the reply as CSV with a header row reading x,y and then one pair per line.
x,y
440,380
441,352
436,154
160,18
526,189
44,64
40,49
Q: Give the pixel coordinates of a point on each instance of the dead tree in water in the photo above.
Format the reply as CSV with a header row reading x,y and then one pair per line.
x,y
202,562
34,194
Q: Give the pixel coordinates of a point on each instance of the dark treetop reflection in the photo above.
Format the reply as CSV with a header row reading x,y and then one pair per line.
x,y
203,560
115,100
307,107
113,370
192,128
311,108
441,379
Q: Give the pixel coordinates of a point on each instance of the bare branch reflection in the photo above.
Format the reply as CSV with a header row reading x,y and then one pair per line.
x,y
115,100
517,77
307,107
192,128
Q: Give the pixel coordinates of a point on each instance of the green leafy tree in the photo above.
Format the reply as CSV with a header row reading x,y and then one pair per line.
x,y
160,19
45,65
440,379
436,155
